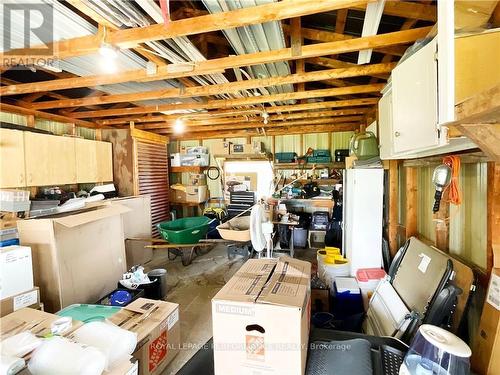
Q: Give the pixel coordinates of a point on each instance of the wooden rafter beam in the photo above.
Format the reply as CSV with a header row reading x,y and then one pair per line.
x,y
218,65
200,116
130,38
255,120
406,9
45,115
270,125
329,36
276,109
285,130
229,103
336,64
232,87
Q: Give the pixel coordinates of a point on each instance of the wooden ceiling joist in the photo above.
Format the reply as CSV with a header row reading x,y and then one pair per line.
x,y
337,64
218,65
215,116
229,103
257,119
240,112
286,130
406,9
269,125
329,36
130,38
232,87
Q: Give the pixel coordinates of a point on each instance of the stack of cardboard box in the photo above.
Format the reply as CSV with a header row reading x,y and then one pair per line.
x,y
17,290
156,323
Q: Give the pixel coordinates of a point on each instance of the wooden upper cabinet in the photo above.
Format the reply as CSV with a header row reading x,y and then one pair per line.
x,y
93,161
86,160
104,153
12,169
50,159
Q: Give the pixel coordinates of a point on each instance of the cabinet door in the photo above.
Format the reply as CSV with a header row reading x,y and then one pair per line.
x,y
104,161
414,101
86,161
12,168
50,159
385,126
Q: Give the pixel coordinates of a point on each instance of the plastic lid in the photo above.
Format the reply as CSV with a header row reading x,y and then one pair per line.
x,y
445,340
368,274
347,284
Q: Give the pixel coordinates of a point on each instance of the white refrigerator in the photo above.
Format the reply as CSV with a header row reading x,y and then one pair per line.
x,y
363,196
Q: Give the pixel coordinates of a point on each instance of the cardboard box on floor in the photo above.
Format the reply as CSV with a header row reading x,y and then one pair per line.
x,y
30,298
136,224
158,332
77,257
485,358
16,270
38,322
259,327
128,367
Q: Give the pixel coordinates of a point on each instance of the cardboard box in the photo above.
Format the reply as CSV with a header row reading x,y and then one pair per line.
x,y
320,300
177,195
16,270
476,53
197,179
485,358
77,257
263,326
349,160
175,160
220,147
136,224
158,332
196,194
128,367
38,320
258,147
241,149
30,298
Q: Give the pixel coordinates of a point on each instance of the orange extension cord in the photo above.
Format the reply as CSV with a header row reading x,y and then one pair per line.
x,y
454,193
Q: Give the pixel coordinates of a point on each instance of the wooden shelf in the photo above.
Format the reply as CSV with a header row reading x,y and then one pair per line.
x,y
194,169
241,156
322,181
279,166
187,204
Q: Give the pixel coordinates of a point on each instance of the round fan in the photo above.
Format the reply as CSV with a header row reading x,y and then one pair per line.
x,y
261,230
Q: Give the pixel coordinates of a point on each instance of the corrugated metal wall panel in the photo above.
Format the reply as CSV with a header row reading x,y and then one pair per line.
x,y
13,118
315,141
425,224
340,140
287,143
51,126
468,222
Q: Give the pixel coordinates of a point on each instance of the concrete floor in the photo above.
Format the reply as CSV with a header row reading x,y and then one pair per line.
x,y
193,287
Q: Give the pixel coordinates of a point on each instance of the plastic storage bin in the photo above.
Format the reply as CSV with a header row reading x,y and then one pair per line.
x,y
300,237
347,300
285,157
88,313
368,279
187,230
237,229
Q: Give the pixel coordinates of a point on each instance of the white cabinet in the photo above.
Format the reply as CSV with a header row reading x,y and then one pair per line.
x,y
385,124
363,209
415,102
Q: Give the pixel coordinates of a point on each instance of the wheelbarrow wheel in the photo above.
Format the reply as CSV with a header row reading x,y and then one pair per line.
x,y
187,256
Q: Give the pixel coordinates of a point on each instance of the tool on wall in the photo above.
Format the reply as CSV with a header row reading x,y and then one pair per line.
x,y
441,179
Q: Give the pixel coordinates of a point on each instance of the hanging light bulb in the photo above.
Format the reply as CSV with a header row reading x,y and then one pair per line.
x,y
108,51
179,126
